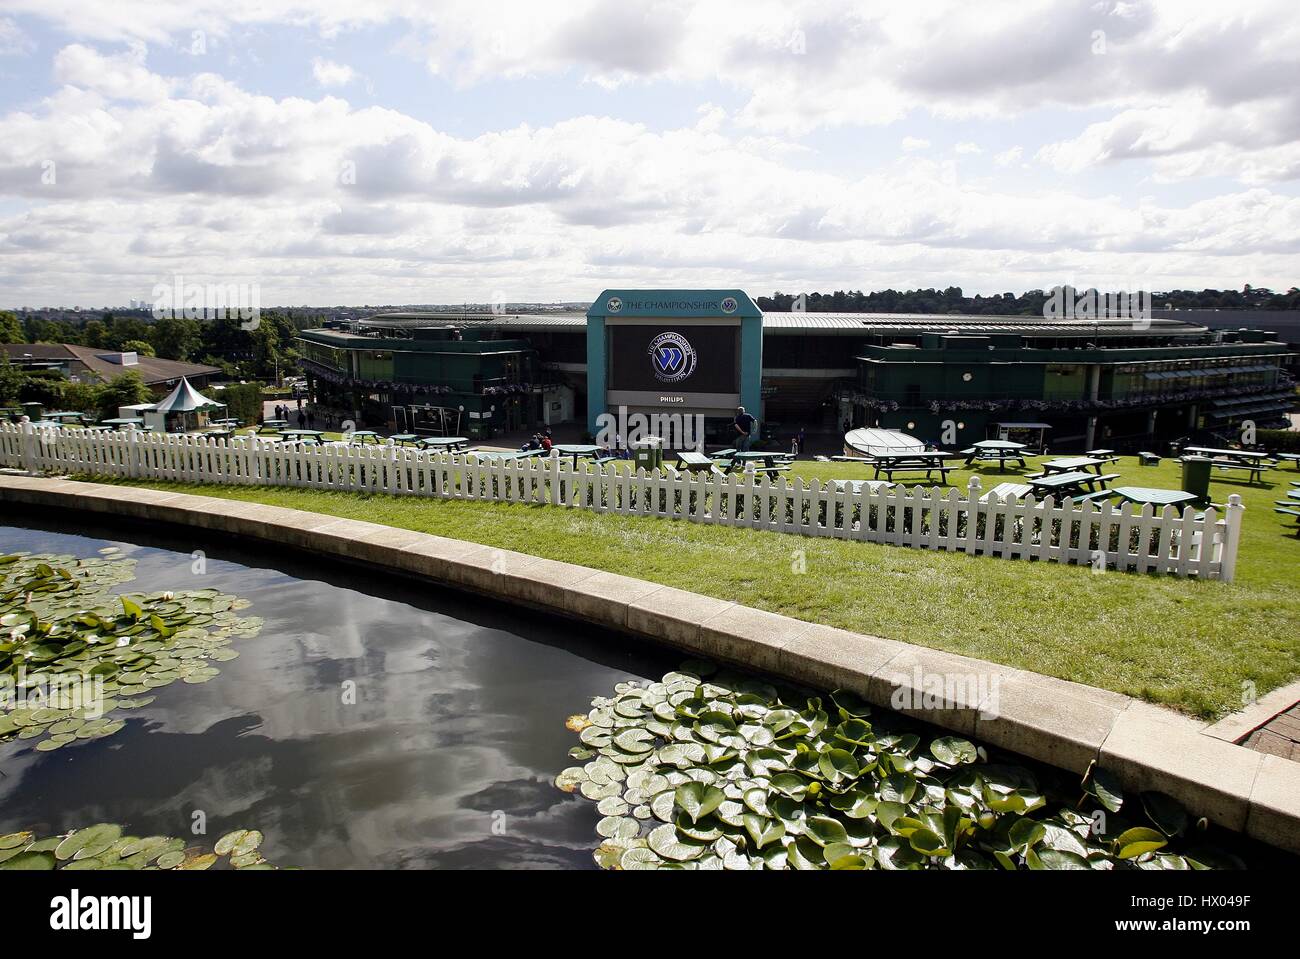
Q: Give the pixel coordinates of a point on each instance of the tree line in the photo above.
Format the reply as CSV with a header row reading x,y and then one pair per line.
x,y
1029,303
240,354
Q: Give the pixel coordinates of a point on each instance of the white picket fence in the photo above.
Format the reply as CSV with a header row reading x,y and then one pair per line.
x,y
1185,543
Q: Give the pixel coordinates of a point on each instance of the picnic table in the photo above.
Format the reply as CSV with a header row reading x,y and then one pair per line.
x,y
916,461
856,486
743,458
503,455
1005,491
1071,464
695,462
1069,484
1142,495
361,437
404,439
578,451
1244,456
1000,450
1290,457
449,444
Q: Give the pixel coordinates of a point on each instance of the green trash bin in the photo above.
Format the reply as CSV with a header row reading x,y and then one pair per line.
x,y
1196,476
648,453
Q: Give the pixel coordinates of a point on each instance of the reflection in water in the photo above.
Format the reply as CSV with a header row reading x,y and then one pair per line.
x,y
444,760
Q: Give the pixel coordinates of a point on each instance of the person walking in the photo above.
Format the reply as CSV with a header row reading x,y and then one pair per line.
x,y
744,424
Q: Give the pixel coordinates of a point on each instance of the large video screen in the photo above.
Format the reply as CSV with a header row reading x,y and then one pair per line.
x,y
681,358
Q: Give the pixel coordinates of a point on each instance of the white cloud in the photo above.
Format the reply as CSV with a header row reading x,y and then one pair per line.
x,y
327,73
214,180
1009,156
195,170
122,76
13,40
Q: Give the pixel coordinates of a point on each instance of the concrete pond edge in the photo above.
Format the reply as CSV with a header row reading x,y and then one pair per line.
x,y
1065,724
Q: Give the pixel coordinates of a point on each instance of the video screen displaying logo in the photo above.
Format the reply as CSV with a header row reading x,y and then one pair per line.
x,y
690,358
672,358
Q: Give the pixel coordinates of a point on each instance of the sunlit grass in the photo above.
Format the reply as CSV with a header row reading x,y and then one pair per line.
x,y
1192,645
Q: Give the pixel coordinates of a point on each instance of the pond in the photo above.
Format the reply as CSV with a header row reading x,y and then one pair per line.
x,y
347,719
446,759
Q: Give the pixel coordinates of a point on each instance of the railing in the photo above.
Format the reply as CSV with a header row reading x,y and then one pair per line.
x,y
1186,543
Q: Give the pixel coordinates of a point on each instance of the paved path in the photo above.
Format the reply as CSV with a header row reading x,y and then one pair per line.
x,y
1280,736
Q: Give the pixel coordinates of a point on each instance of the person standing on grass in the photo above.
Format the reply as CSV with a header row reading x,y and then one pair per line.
x,y
302,420
743,423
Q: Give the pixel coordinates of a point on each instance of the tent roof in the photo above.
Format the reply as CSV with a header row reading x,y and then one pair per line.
x,y
870,441
185,399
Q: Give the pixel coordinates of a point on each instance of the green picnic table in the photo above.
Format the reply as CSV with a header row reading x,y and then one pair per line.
x,y
1069,484
450,444
857,486
743,458
404,439
362,437
695,462
1156,497
1072,464
999,450
916,461
577,451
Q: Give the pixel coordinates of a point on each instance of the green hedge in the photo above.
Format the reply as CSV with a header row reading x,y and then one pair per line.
x,y
1279,441
244,400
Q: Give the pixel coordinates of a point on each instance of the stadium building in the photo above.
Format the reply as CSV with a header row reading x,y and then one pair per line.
x,y
951,379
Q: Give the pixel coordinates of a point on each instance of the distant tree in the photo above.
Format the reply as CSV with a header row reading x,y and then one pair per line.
x,y
126,389
11,381
143,347
176,338
11,331
94,334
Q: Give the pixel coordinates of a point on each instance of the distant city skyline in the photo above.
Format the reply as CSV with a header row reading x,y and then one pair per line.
x,y
487,151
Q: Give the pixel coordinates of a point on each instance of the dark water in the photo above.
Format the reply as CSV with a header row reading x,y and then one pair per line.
x,y
445,760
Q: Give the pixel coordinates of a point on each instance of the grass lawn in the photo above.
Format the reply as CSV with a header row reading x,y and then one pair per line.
x,y
1191,645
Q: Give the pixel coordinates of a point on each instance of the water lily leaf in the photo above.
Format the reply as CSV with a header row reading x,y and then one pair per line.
x,y
838,765
1166,813
1025,833
1139,840
1060,859
29,861
89,842
698,800
953,751
1103,787
618,827
928,842
761,830
824,830
790,784
639,857
667,844
850,704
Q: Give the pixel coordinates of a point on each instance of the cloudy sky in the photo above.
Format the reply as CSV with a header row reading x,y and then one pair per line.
x,y
400,151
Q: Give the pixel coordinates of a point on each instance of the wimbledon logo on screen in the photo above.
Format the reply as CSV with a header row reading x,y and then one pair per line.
x,y
672,357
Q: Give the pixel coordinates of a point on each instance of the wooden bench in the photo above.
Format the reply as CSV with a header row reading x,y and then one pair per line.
x,y
889,471
1255,471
